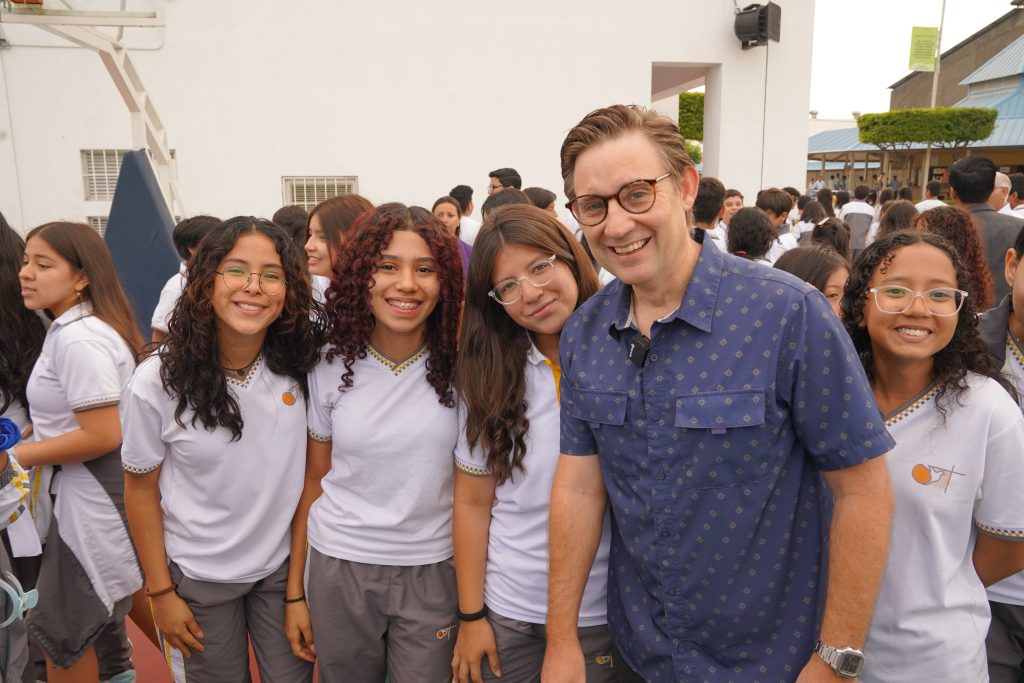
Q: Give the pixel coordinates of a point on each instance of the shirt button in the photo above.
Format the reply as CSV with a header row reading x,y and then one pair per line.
x,y
654,357
660,475
665,533
656,416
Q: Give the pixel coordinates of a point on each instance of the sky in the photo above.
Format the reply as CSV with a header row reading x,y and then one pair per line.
x,y
863,47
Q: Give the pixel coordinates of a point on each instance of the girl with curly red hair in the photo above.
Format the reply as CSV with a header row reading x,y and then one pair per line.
x,y
379,593
959,229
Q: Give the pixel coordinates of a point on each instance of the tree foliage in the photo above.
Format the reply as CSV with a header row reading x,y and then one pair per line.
x,y
695,150
691,115
948,127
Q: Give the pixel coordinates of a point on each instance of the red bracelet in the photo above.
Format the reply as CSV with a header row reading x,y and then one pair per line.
x,y
157,594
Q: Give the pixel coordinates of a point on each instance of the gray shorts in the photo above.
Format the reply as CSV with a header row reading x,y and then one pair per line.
x,y
521,651
370,620
230,614
1005,643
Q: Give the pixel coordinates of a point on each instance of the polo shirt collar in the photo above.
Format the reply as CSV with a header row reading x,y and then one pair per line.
x,y
535,356
76,312
698,303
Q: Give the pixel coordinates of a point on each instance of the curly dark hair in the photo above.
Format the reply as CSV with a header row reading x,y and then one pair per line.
x,y
750,233
958,228
348,297
965,352
21,330
190,370
491,377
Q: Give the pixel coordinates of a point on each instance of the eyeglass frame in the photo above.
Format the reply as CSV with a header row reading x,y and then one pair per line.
x,y
248,281
960,305
653,182
551,260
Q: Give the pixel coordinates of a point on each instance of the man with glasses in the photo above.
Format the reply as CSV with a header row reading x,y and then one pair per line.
x,y
503,178
704,398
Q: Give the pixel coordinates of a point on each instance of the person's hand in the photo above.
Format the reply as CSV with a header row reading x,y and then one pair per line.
x,y
475,640
563,663
177,625
817,671
299,630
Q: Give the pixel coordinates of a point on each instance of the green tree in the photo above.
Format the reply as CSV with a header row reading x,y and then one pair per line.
x,y
695,150
691,115
945,127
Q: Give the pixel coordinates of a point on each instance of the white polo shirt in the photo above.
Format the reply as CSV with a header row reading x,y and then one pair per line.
x,y
780,246
951,480
1011,590
928,204
169,296
320,285
227,505
84,364
387,498
516,579
469,228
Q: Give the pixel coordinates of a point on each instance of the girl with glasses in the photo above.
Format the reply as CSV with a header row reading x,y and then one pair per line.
x,y
89,570
376,507
527,276
957,465
214,445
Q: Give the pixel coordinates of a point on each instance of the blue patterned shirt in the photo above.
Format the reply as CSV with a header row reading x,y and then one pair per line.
x,y
711,454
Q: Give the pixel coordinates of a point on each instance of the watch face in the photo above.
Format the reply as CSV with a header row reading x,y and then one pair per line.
x,y
849,664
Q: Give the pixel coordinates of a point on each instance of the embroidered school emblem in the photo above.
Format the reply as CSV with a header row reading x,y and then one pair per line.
x,y
445,633
931,475
291,396
603,660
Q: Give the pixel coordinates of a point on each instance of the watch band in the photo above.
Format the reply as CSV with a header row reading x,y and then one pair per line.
x,y
846,662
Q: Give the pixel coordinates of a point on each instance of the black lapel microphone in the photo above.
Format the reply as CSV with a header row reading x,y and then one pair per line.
x,y
639,347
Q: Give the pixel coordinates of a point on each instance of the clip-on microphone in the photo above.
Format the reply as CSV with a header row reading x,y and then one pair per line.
x,y
639,347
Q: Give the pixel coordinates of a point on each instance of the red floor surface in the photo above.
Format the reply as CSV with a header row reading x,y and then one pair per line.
x,y
150,666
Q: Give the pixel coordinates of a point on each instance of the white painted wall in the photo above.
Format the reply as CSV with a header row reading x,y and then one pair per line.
x,y
412,98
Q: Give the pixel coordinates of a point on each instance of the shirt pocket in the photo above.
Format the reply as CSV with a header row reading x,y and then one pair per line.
x,y
726,438
605,414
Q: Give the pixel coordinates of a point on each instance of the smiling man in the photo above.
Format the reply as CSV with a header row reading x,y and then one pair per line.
x,y
705,398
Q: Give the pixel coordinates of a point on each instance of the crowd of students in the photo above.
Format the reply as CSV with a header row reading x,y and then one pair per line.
x,y
340,445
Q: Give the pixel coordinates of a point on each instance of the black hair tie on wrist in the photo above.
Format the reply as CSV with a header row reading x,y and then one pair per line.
x,y
289,601
474,616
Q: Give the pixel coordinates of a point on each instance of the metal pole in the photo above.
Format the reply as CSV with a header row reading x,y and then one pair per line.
x,y
935,89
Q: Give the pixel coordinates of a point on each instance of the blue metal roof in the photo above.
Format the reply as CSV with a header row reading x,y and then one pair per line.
x,y
837,141
1008,62
1009,103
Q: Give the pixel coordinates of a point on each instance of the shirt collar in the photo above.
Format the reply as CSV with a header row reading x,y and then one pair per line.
x,y
79,310
697,306
535,356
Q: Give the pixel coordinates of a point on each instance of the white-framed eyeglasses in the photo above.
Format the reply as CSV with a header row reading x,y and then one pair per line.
x,y
940,301
510,291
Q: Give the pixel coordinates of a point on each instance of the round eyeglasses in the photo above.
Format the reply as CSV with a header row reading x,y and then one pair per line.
x,y
237,279
510,291
941,301
636,196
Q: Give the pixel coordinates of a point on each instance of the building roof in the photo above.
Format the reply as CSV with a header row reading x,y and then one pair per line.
x,y
1008,62
840,141
959,45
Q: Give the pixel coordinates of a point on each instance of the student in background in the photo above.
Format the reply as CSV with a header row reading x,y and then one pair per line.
x,y
821,267
326,231
187,235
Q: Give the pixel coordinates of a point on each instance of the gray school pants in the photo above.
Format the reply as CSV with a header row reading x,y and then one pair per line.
x,y
1005,643
229,615
370,620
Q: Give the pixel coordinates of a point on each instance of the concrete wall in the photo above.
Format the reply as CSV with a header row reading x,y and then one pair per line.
x,y
916,91
412,98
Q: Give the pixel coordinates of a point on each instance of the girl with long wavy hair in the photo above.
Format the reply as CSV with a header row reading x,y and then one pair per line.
x,y
89,569
956,468
376,507
527,276
958,228
214,446
327,228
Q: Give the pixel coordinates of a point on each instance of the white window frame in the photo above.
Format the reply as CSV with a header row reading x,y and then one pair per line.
x,y
308,191
98,223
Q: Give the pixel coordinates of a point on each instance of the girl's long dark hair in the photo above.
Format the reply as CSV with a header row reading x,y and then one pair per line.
x,y
83,248
21,330
348,297
965,352
190,370
490,378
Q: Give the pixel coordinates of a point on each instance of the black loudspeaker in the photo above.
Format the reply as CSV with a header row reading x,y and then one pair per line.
x,y
757,24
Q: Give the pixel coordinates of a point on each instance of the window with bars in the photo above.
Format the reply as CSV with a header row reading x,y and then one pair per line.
x,y
308,191
100,168
97,223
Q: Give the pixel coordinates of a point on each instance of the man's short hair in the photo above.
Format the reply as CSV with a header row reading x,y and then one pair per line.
x,y
775,200
293,219
861,192
710,199
509,195
463,194
731,192
611,122
1017,185
187,234
508,177
906,193
934,188
793,192
540,197
973,179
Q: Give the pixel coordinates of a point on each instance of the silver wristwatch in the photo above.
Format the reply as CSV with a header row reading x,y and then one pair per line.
x,y
846,662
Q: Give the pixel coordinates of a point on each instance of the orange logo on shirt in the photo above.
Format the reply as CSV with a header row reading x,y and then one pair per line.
x,y
445,633
291,396
605,659
932,475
